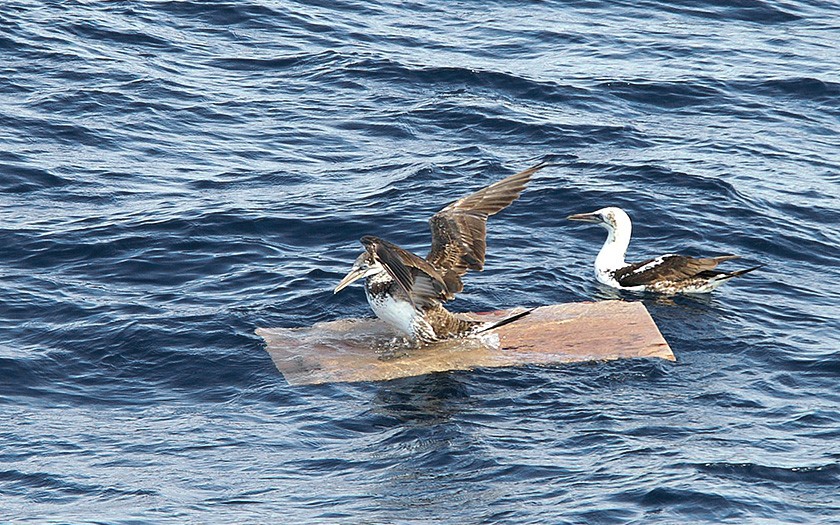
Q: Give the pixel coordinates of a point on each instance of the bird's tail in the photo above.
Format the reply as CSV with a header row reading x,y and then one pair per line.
x,y
736,273
507,320
717,277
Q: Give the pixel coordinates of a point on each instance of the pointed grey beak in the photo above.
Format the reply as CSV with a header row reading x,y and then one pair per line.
x,y
356,273
585,217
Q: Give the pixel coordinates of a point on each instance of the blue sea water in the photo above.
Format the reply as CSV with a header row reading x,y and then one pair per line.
x,y
175,174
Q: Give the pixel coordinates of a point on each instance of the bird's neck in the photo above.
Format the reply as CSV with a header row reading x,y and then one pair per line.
x,y
611,256
379,283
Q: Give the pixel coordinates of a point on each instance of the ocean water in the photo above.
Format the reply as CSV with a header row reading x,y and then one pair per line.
x,y
175,174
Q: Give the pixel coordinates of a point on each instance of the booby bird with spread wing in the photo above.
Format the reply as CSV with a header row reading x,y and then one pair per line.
x,y
407,291
667,274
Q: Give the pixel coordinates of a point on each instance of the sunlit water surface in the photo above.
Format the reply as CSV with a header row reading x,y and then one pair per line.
x,y
174,175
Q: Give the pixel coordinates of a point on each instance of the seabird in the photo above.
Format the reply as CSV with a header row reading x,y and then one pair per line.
x,y
407,291
667,274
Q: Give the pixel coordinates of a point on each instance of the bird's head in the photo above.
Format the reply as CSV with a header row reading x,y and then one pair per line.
x,y
611,218
365,265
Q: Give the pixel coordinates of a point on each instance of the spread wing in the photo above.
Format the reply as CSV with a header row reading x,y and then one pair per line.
x,y
668,268
459,230
417,278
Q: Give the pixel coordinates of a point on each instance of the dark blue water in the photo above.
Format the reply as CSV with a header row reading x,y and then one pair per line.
x,y
175,174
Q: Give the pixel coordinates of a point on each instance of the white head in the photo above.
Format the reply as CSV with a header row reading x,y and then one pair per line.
x,y
365,266
613,219
618,225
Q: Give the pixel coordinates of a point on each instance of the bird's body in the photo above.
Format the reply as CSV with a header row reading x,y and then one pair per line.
x,y
407,291
668,274
392,305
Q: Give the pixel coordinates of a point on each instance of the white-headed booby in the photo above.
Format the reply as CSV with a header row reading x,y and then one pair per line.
x,y
667,274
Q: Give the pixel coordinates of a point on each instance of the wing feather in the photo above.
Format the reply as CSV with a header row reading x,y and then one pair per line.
x,y
669,267
459,230
416,277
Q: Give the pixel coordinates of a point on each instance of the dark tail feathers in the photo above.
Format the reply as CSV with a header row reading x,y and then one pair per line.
x,y
736,273
507,320
722,275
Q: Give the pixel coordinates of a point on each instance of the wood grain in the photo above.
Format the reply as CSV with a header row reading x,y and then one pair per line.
x,y
366,350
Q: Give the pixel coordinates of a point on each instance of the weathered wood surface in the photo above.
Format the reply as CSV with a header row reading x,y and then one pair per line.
x,y
366,349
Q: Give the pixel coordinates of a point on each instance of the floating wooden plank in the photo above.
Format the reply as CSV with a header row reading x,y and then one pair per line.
x,y
367,350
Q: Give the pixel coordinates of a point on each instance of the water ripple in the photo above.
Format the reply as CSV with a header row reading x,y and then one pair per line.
x,y
175,174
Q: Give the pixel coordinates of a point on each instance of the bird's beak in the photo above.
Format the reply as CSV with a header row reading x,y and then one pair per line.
x,y
355,273
585,217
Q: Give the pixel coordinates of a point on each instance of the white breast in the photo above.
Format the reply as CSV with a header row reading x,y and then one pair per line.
x,y
606,277
399,314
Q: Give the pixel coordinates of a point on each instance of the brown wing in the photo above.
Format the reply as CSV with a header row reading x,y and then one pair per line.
x,y
417,278
459,230
667,268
